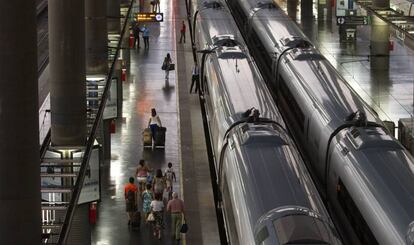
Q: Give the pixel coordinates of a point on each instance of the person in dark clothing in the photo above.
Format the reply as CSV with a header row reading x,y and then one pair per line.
x,y
182,31
195,79
136,30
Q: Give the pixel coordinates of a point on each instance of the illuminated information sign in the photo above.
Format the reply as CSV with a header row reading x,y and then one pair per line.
x,y
149,17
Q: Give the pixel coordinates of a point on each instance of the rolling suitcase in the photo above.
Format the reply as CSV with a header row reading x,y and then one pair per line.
x,y
136,220
147,137
160,137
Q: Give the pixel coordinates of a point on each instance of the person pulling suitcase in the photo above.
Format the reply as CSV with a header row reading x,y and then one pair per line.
x,y
154,124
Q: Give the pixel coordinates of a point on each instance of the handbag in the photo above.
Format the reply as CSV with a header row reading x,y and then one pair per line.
x,y
184,227
151,217
171,67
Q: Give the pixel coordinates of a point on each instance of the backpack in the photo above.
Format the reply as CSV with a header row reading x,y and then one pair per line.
x,y
131,196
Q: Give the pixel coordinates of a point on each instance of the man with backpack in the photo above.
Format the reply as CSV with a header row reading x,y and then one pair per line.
x,y
130,193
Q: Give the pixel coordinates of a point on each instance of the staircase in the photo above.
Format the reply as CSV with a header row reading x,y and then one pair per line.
x,y
59,170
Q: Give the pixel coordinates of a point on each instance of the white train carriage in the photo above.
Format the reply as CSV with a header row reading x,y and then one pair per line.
x,y
365,175
267,194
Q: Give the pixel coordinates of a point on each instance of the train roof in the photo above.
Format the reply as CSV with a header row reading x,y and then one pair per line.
x,y
243,85
331,95
384,172
217,22
267,162
312,73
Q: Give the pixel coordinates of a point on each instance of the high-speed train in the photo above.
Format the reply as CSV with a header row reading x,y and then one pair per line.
x,y
267,195
364,174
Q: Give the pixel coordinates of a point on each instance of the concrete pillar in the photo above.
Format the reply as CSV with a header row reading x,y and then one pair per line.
x,y
96,37
67,71
381,4
113,9
380,34
292,9
306,16
19,125
120,94
306,9
323,10
125,54
68,89
106,128
380,60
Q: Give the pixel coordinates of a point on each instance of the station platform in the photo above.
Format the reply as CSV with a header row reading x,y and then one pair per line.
x,y
179,111
385,82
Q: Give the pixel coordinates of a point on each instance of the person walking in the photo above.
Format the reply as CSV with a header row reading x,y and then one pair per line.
x,y
176,208
130,194
154,122
157,6
158,183
166,65
169,176
157,209
195,76
145,34
141,174
136,30
147,197
182,32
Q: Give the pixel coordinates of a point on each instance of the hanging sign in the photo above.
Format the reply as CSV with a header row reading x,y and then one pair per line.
x,y
149,17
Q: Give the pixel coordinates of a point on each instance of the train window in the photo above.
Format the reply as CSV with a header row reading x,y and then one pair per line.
x,y
290,105
354,217
302,229
262,235
229,215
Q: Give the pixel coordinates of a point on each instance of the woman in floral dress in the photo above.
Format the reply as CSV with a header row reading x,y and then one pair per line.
x,y
147,197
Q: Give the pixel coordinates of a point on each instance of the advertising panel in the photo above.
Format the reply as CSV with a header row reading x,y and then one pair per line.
x,y
342,7
91,184
111,107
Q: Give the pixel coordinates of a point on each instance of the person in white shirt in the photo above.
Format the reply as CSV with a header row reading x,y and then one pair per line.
x,y
154,122
157,209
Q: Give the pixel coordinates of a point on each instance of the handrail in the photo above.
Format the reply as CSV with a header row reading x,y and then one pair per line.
x,y
82,172
45,144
